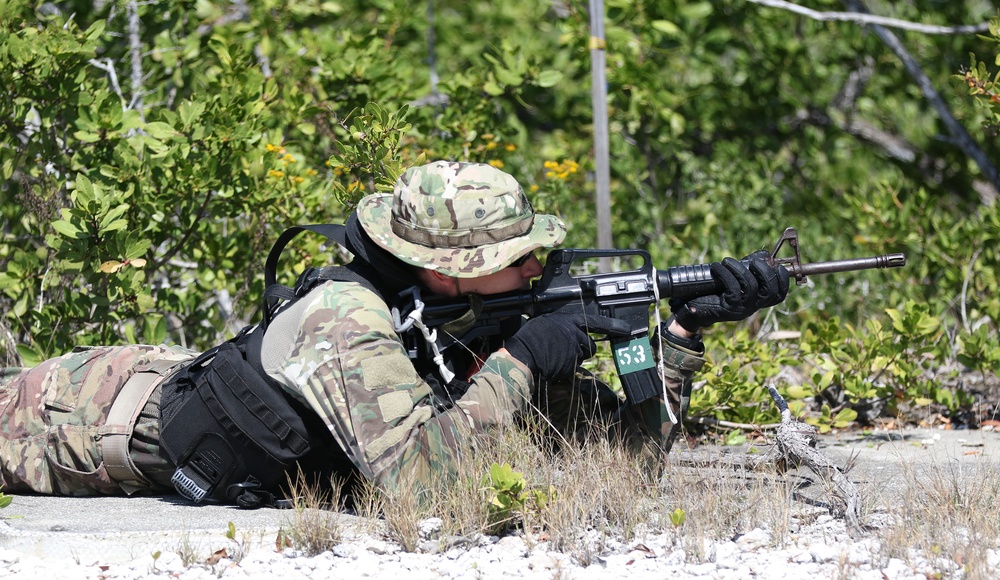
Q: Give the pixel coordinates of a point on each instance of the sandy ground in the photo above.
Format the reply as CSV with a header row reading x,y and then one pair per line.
x,y
119,528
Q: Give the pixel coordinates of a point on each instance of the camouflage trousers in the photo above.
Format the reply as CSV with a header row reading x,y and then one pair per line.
x,y
51,418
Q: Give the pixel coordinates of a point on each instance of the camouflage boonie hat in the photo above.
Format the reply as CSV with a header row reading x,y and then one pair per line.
x,y
460,219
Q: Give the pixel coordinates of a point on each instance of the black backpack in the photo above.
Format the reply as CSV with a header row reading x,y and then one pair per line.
x,y
234,433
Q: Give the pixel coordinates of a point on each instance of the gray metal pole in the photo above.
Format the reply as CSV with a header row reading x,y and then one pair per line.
x,y
599,97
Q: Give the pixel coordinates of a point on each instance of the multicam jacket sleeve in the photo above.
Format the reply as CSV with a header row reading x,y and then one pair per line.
x,y
336,350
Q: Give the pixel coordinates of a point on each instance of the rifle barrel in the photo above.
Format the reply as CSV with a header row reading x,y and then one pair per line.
x,y
696,280
874,262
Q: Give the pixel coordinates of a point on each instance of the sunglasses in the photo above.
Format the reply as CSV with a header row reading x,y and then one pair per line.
x,y
521,261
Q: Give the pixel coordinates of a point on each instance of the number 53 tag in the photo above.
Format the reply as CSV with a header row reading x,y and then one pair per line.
x,y
632,355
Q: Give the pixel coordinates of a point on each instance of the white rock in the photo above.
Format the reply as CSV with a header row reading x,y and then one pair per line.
x,y
701,569
511,547
540,562
896,569
993,559
754,539
823,553
727,555
430,528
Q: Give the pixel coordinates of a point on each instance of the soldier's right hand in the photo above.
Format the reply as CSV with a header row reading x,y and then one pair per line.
x,y
554,345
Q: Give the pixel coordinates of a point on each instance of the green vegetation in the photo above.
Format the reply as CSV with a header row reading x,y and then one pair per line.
x,y
152,152
508,498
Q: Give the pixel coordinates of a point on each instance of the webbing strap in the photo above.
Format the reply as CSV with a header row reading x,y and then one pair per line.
x,y
335,232
116,433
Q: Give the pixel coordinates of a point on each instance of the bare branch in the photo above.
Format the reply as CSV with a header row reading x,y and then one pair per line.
x,y
797,443
265,63
854,86
239,11
958,133
109,67
862,18
135,48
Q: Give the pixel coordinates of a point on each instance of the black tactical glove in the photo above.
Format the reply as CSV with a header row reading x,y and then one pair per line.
x,y
554,345
747,286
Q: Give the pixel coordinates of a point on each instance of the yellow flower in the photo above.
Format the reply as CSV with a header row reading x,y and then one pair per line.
x,y
311,172
496,163
288,158
489,137
534,187
272,148
298,179
491,146
550,174
510,147
275,173
550,165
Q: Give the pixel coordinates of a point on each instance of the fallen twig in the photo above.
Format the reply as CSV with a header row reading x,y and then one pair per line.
x,y
797,443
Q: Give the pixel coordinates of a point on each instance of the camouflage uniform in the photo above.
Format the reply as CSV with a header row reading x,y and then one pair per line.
x,y
51,418
337,351
345,361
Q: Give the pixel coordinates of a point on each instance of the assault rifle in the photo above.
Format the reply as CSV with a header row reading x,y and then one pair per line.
x,y
626,295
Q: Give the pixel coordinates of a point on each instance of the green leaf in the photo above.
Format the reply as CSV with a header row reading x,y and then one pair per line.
x,y
116,225
492,89
220,47
189,111
29,356
159,130
845,417
112,215
155,329
549,78
96,29
696,10
666,27
508,77
68,229
87,136
85,192
136,248
735,438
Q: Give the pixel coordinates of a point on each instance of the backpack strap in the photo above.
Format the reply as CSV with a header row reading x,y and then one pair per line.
x,y
274,292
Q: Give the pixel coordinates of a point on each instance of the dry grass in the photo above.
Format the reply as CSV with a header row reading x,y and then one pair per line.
x,y
604,494
316,524
607,495
946,514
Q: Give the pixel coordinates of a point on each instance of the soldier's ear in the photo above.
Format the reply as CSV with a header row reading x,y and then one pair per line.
x,y
438,283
